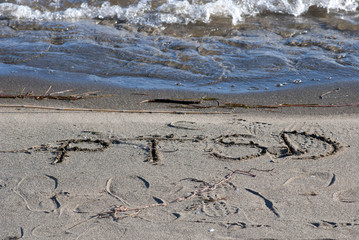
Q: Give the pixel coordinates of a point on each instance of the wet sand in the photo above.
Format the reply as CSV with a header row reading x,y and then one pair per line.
x,y
80,174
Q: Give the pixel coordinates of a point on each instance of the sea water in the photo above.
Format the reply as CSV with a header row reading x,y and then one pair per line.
x,y
202,45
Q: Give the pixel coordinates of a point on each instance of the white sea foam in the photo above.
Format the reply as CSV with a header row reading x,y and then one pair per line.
x,y
170,11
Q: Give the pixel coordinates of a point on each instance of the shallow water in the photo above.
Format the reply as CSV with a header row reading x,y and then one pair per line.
x,y
206,45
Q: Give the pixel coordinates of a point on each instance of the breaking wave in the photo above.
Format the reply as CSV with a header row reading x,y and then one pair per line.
x,y
166,11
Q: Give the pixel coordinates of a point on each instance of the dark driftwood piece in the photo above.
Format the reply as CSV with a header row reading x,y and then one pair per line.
x,y
180,101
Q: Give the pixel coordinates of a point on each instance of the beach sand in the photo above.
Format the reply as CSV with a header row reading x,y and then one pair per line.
x,y
173,175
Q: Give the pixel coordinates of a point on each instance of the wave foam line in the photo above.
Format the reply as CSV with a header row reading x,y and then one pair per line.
x,y
178,11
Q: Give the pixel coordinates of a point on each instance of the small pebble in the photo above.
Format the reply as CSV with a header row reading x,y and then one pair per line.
x,y
297,81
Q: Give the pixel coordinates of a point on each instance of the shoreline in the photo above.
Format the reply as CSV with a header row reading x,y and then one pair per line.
x,y
130,99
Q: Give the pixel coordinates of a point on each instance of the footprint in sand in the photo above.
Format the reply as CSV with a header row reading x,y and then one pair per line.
x,y
38,193
299,194
187,125
255,128
347,196
9,200
132,191
311,182
216,204
76,216
212,204
11,204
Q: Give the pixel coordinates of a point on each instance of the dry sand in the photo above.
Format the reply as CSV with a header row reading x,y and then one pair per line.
x,y
92,175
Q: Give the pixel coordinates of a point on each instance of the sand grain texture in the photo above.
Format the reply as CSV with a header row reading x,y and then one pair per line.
x,y
62,173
